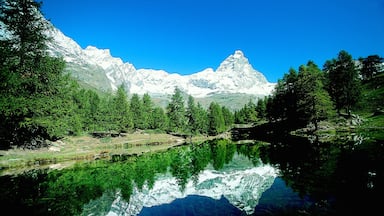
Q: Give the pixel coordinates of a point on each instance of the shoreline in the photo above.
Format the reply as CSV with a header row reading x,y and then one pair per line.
x,y
73,149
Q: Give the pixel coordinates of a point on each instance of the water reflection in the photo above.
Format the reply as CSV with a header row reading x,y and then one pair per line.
x,y
238,181
291,175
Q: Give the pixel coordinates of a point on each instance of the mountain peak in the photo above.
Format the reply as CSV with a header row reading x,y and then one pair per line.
x,y
238,54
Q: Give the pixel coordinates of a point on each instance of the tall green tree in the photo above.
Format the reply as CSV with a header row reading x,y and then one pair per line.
x,y
261,108
216,119
121,115
32,96
136,109
191,114
147,110
229,118
282,105
159,119
202,119
176,112
343,83
314,103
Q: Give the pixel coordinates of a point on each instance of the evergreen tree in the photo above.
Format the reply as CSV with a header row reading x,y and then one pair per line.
x,y
147,111
229,118
176,112
121,115
343,82
251,114
201,119
216,119
32,101
283,103
191,114
371,65
159,119
261,108
136,109
314,103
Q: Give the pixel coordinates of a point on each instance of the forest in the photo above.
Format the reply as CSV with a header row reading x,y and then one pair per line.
x,y
40,102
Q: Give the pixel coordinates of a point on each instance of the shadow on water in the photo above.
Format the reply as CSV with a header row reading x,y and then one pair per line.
x,y
344,175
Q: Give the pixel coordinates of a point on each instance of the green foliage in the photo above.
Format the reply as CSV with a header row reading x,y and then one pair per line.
x,y
216,119
300,98
371,65
147,111
176,112
32,93
121,115
247,114
343,83
137,111
314,103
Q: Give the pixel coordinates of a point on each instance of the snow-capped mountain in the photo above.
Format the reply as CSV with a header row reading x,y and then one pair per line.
x,y
97,68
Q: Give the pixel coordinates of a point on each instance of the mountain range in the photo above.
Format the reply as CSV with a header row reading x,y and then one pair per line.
x,y
232,84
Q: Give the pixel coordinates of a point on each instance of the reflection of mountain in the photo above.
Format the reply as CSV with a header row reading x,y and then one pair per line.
x,y
239,182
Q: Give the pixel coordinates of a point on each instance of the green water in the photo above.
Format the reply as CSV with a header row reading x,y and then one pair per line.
x,y
289,176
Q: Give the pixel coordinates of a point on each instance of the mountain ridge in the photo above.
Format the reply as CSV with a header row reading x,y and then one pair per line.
x,y
99,69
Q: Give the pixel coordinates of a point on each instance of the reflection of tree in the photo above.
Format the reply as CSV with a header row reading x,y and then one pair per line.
x,y
65,192
329,172
200,158
251,151
222,152
180,168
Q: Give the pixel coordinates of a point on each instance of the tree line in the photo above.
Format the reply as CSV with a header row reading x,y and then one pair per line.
x,y
39,102
310,94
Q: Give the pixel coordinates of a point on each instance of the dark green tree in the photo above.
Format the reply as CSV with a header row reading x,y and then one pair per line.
x,y
159,119
229,118
314,103
136,109
283,103
371,65
147,111
201,119
343,83
261,108
176,112
216,119
32,94
192,115
121,115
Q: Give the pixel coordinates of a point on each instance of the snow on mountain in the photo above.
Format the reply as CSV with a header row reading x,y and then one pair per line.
x,y
98,68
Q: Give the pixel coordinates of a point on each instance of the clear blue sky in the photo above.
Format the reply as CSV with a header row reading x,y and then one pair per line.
x,y
187,36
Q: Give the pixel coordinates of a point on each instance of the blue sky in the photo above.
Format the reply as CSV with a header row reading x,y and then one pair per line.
x,y
188,36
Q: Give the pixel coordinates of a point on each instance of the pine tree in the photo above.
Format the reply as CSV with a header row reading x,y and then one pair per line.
x,y
121,115
371,65
136,109
33,105
176,112
216,119
147,111
192,115
343,81
314,103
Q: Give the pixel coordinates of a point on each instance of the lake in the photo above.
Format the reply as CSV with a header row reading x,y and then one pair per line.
x,y
289,175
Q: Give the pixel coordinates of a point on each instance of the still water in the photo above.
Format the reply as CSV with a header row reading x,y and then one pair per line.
x,y
287,176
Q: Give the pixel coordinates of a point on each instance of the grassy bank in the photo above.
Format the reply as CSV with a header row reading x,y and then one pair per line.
x,y
69,150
